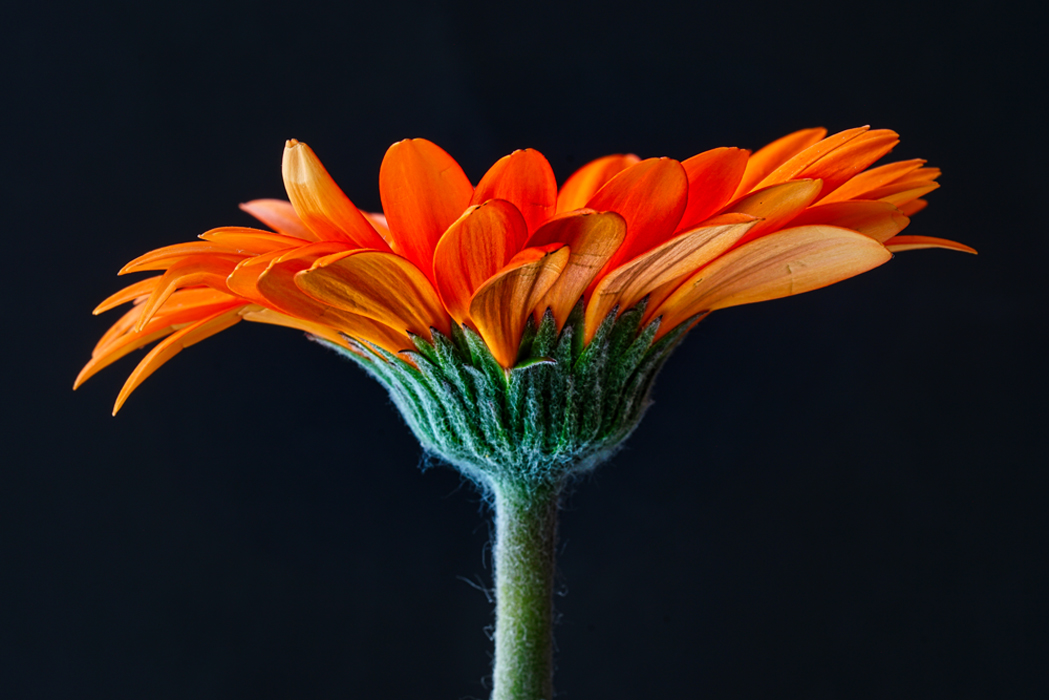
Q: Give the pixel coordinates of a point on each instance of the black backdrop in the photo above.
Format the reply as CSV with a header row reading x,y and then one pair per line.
x,y
839,495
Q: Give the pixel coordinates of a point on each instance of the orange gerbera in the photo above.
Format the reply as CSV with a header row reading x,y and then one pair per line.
x,y
723,228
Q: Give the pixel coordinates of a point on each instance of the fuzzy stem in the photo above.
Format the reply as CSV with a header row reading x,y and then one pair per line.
x,y
526,530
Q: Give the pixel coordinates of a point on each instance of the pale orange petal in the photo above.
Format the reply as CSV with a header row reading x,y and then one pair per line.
x,y
712,180
902,243
879,220
423,191
778,265
858,186
503,304
770,157
320,203
628,284
525,179
279,216
776,205
793,167
473,249
332,323
585,182
381,286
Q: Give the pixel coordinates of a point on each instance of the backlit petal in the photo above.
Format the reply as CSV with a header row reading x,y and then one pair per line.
x,y
858,186
585,182
526,180
902,243
776,205
210,271
280,216
797,163
163,258
879,220
770,157
712,180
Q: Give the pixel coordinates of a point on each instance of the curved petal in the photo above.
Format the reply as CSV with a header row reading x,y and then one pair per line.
x,y
841,164
629,283
858,186
778,265
473,249
138,290
913,207
501,307
585,182
904,196
382,286
250,241
331,324
210,271
320,203
902,243
776,205
423,191
244,280
276,284
651,196
797,163
712,180
526,180
879,220
770,157
163,258
279,216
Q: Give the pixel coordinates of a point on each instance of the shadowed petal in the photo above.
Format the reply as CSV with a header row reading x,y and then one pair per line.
x,y
902,243
585,182
879,220
523,178
770,157
712,180
280,216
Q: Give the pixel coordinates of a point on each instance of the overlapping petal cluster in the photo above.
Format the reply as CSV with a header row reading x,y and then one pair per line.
x,y
722,228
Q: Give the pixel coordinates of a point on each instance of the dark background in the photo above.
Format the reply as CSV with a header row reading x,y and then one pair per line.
x,y
839,495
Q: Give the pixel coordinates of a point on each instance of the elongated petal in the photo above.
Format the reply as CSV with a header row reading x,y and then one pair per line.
x,y
770,157
913,207
251,241
163,258
903,196
173,345
776,205
858,186
473,249
381,286
712,180
503,304
142,288
244,280
651,197
180,301
526,180
797,164
585,182
879,220
210,271
778,265
423,192
902,243
593,239
852,158
320,203
331,324
629,283
279,216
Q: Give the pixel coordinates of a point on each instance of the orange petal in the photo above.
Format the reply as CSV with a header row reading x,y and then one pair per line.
x,y
629,283
525,179
780,264
473,249
770,157
651,196
179,302
333,323
503,304
879,220
174,344
585,182
793,167
852,158
423,192
210,271
913,207
320,203
712,179
593,239
163,258
250,241
382,286
142,288
858,186
379,223
279,216
777,205
244,280
901,243
904,195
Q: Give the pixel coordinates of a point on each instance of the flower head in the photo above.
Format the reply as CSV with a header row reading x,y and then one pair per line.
x,y
669,240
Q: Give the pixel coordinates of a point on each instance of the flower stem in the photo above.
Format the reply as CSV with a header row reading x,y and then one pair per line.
x,y
526,530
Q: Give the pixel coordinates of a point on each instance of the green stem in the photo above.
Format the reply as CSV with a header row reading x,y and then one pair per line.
x,y
526,530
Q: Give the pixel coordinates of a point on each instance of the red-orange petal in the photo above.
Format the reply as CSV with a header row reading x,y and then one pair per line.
x,y
901,243
250,241
525,179
797,164
770,157
585,182
163,258
858,186
382,286
852,158
423,192
503,304
776,205
473,249
280,216
320,203
712,180
778,265
879,220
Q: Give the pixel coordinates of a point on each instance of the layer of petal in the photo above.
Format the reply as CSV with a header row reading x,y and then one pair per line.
x,y
775,154
525,179
776,205
712,180
585,182
280,216
901,243
879,220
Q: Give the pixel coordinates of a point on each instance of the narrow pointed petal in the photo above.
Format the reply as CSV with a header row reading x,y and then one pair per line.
x,y
841,164
142,288
321,204
525,179
628,284
381,286
250,241
858,186
712,180
279,216
163,258
473,249
778,265
423,192
901,243
210,271
770,157
776,205
797,164
333,323
879,220
903,196
585,182
593,238
183,300
913,207
503,304
173,345
651,196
